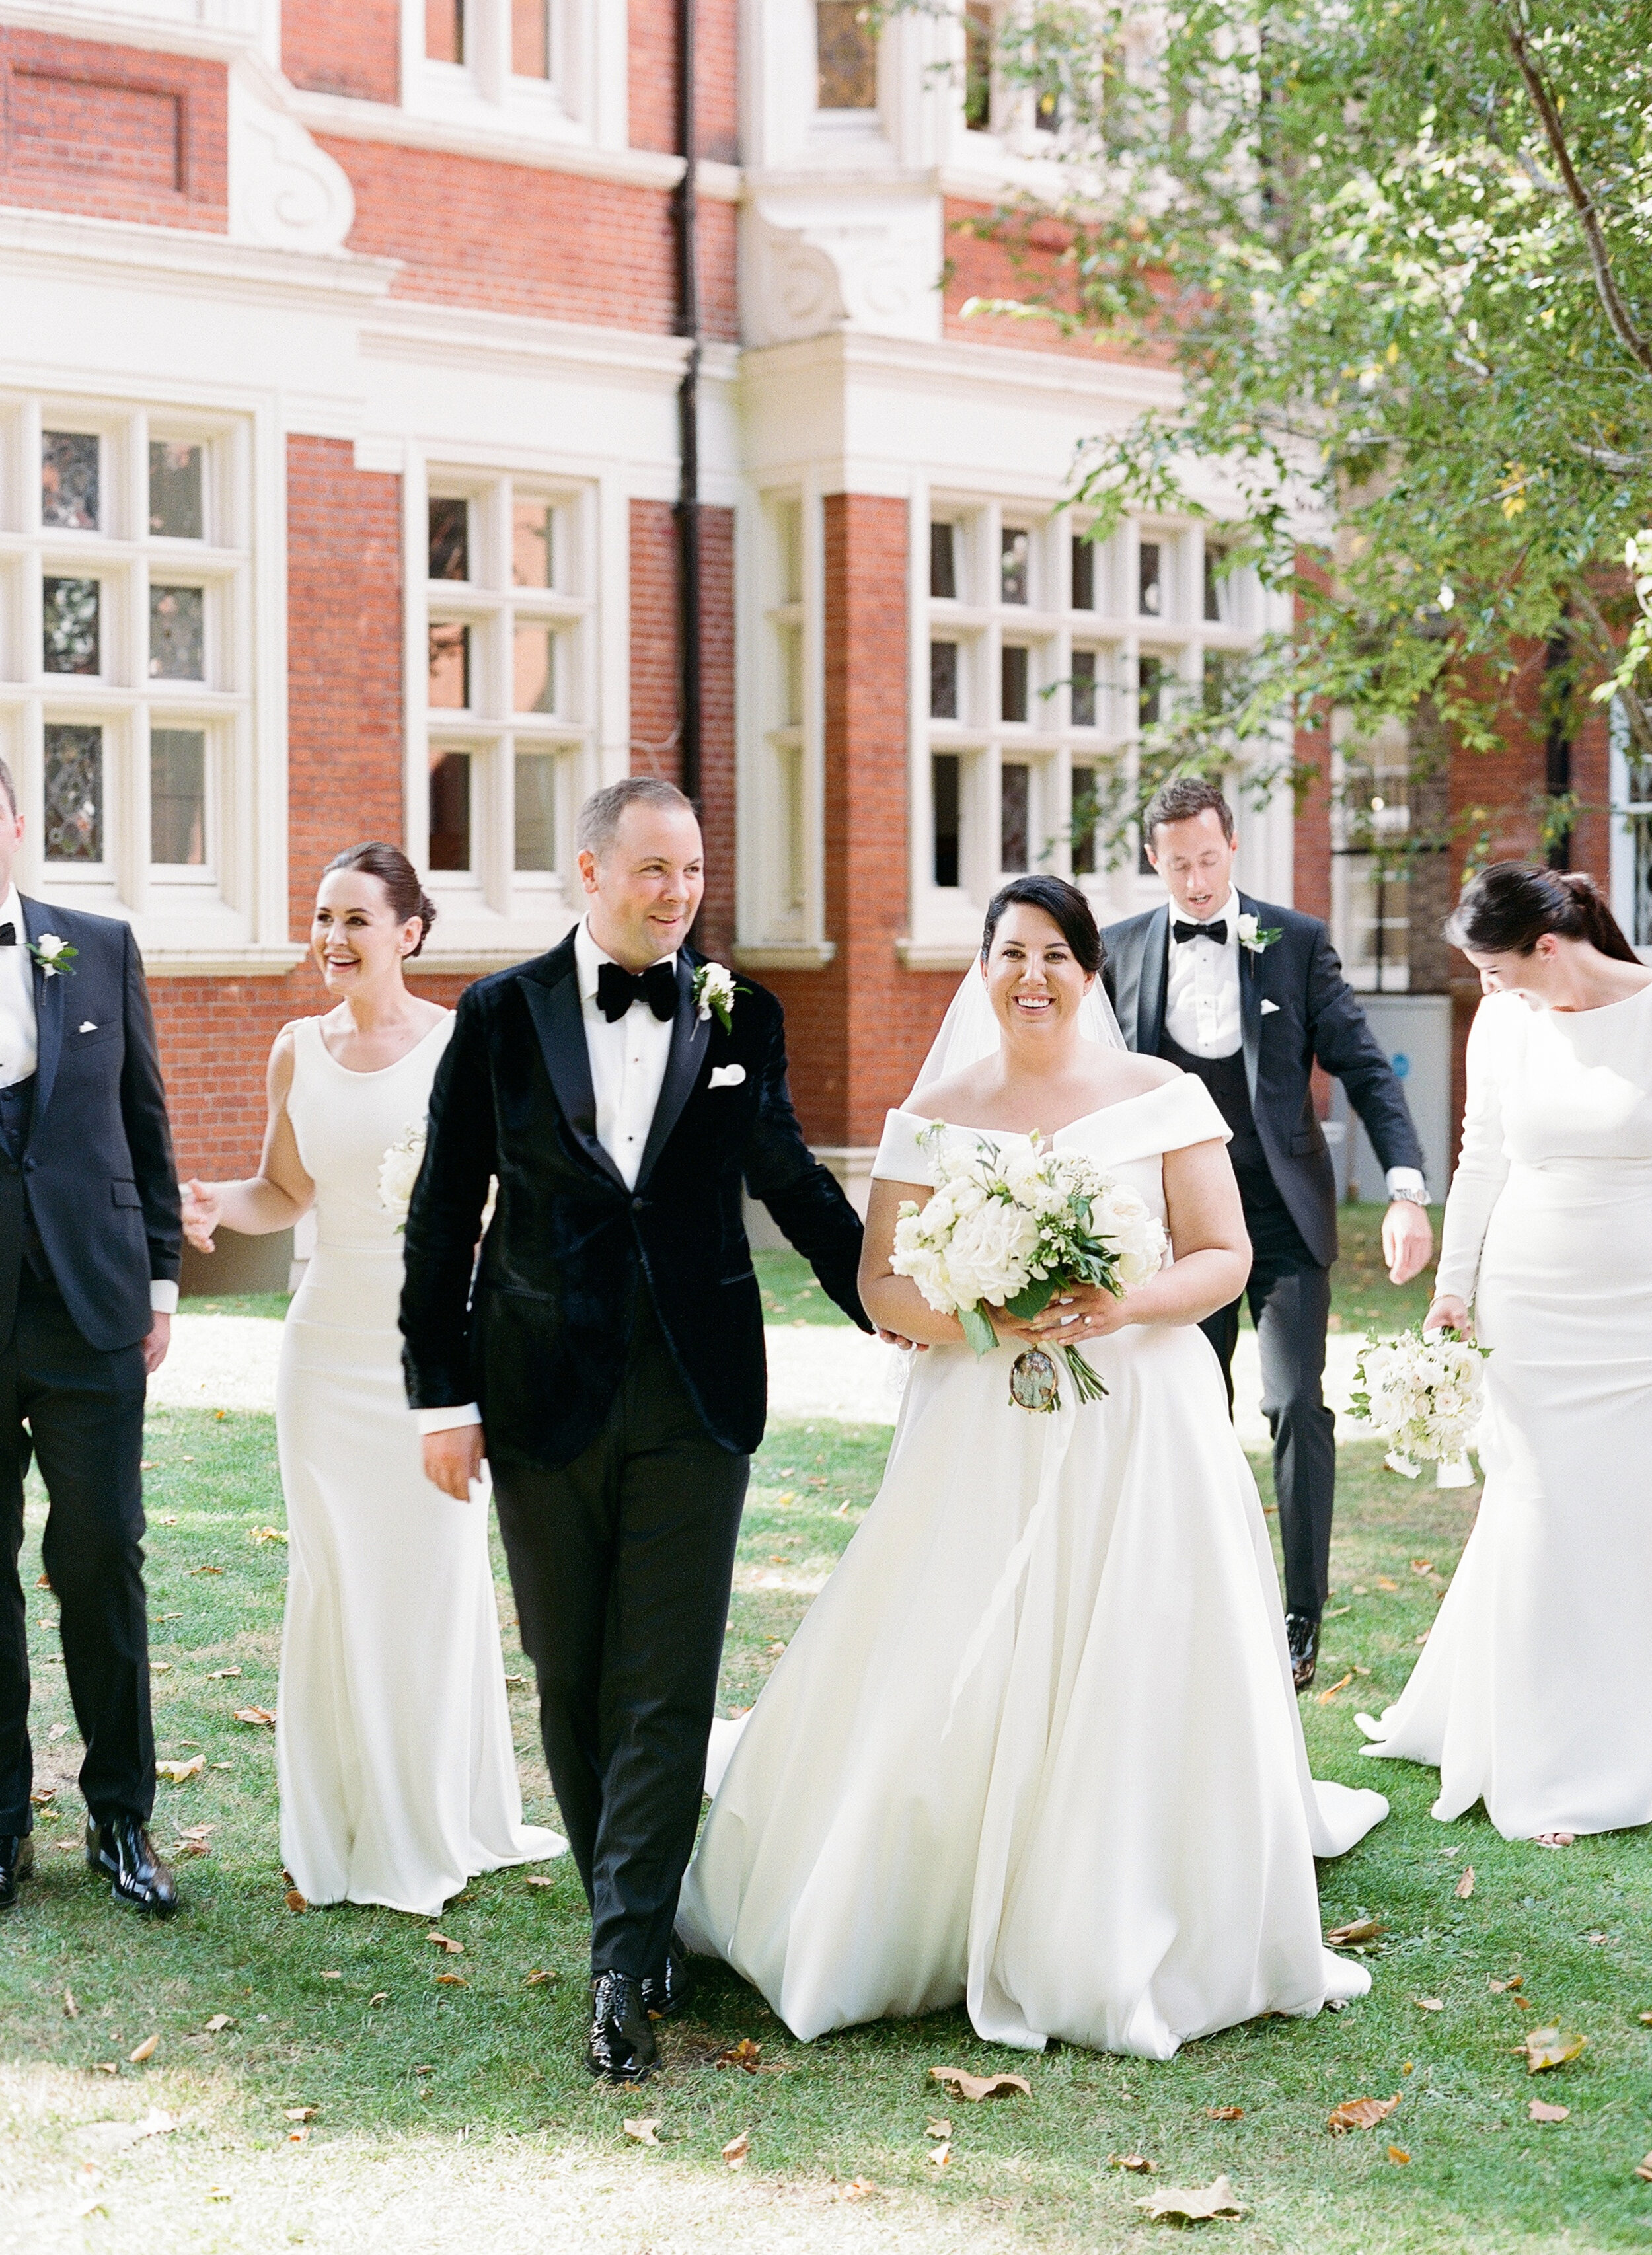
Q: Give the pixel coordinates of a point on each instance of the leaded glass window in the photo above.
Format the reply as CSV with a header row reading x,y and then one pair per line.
x,y
177,797
847,54
70,625
74,793
1084,688
177,634
69,479
1150,580
176,500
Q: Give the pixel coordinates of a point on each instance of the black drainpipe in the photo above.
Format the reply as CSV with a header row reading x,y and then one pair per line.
x,y
688,408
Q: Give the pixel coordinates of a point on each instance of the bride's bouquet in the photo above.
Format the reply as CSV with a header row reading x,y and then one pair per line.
x,y
1423,1393
398,1172
1010,1228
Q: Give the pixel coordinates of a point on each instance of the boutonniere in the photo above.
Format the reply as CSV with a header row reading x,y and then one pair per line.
x,y
1253,941
714,990
54,955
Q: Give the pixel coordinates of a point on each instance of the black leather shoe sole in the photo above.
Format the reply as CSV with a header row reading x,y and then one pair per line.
x,y
635,2071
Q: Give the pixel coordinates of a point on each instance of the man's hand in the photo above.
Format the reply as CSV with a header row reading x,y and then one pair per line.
x,y
155,1347
1408,1242
452,1459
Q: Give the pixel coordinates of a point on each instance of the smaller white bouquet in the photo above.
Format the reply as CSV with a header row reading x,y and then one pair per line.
x,y
398,1172
1010,1226
1423,1392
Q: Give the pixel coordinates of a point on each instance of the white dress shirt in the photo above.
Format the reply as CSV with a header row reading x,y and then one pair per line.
x,y
20,1047
628,1056
1202,1008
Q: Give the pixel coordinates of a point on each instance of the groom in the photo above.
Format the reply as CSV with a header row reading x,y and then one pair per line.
x,y
608,1356
1250,997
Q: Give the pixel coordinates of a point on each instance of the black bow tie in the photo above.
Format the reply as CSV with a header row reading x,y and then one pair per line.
x,y
1218,932
617,988
8,934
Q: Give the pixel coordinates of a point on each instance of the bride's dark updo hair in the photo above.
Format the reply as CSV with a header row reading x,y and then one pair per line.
x,y
407,897
1063,903
1507,910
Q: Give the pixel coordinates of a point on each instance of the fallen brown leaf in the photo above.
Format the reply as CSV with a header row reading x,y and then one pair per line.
x,y
219,2192
222,1675
541,1883
1598,1939
1138,2164
537,1978
208,1570
1645,2020
1383,1583
1518,1981
1465,1884
269,1534
147,2049
103,2067
300,2113
43,1796
1359,2114
176,1771
1546,2048
977,2087
1430,2004
261,1717
643,2130
1226,2113
218,2023
297,2137
110,2136
1541,2111
1398,2153
295,1900
1192,2206
445,1942
937,2129
452,1981
941,2154
1421,1565
735,2151
71,2010
1341,1684
1361,1930
858,2188
335,1974
380,1997
1643,2170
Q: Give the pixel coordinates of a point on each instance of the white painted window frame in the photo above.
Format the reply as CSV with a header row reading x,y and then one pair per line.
x,y
583,101
1628,812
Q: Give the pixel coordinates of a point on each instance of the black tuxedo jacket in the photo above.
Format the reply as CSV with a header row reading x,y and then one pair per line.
x,y
1316,1019
97,1167
540,1340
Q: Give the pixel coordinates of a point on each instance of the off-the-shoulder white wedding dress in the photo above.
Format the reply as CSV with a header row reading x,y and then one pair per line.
x,y
397,1768
1034,1746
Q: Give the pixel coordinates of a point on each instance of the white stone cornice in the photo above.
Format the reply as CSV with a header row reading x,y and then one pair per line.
x,y
414,330
126,249
217,29
951,361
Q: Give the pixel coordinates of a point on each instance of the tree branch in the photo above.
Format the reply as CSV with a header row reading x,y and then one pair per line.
x,y
1583,203
1610,458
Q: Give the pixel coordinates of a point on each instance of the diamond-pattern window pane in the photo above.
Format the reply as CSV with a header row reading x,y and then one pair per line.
x,y
176,510
68,480
177,797
846,50
535,809
73,794
177,634
69,626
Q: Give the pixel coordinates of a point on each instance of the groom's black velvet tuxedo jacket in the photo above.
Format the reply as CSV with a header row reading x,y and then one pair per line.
x,y
1314,1017
541,1338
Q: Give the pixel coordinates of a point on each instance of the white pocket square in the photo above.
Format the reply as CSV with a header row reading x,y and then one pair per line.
x,y
728,1075
1268,1005
87,1026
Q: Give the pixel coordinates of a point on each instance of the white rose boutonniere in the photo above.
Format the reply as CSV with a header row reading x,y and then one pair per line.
x,y
1253,941
714,990
54,956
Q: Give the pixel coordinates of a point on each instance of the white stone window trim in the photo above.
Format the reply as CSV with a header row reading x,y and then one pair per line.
x,y
1351,867
1631,812
945,922
773,935
229,915
584,100
493,915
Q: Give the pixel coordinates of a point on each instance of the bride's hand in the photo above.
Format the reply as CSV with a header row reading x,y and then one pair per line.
x,y
203,1211
1447,1312
1088,1312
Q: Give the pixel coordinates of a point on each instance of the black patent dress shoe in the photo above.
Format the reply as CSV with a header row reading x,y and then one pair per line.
x,y
120,1846
1302,1635
621,2047
16,1861
667,1992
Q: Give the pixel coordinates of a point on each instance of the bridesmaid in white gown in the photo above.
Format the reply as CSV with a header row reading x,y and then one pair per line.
x,y
393,1746
1036,1745
1532,1690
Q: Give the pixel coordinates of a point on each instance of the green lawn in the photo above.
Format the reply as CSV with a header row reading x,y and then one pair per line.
x,y
458,2116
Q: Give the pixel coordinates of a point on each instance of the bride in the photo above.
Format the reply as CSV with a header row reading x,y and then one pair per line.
x,y
397,1768
1036,1744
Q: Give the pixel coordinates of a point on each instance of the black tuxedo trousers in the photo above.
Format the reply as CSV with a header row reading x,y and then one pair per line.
x,y
621,1563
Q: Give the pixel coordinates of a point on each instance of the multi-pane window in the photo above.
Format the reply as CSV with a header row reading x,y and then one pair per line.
x,y
1370,891
1050,655
125,659
1631,844
507,621
845,55
509,54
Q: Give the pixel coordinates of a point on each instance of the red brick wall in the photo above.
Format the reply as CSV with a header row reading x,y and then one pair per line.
x,y
354,50
991,268
515,240
113,133
652,88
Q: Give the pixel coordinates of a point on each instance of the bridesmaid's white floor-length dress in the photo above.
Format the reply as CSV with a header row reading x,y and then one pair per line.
x,y
1034,1746
393,1746
1534,1691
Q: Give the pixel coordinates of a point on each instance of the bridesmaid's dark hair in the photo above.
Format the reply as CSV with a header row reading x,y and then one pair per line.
x,y
1507,910
1063,903
395,873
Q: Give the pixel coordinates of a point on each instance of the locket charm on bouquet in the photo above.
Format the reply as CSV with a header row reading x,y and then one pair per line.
x,y
1034,1383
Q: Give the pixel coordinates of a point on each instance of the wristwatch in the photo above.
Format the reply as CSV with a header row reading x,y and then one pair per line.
x,y
1410,1195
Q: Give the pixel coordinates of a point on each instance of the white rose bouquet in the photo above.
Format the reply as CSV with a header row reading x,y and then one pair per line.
x,y
1423,1393
398,1172
1010,1228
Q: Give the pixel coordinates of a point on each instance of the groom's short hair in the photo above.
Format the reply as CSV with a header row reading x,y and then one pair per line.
x,y
597,824
1185,800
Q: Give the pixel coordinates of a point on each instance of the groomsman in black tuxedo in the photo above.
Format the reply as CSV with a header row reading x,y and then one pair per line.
x,y
622,1091
90,1243
1250,998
